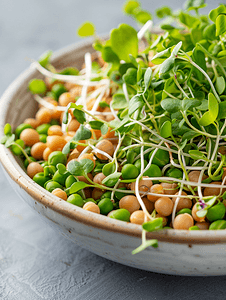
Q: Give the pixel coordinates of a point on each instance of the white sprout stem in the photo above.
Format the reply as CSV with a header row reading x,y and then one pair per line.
x,y
120,139
67,78
114,190
177,200
84,151
47,104
124,88
138,179
113,112
185,182
101,152
88,64
147,26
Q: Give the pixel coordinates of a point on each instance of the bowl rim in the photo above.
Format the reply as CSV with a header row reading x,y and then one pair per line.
x,y
39,194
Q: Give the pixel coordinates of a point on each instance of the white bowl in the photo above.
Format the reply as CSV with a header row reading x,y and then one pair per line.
x,y
180,252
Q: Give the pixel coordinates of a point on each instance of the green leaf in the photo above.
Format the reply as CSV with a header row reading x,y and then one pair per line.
x,y
119,101
10,141
79,115
87,165
188,104
108,168
153,225
188,20
45,58
196,154
96,124
220,24
216,12
7,129
75,168
163,12
104,129
150,243
210,116
222,110
111,179
209,32
166,66
190,134
176,49
161,56
220,85
130,6
131,76
171,105
147,78
77,186
201,213
124,41
3,139
166,129
82,133
86,29
136,103
142,16
109,55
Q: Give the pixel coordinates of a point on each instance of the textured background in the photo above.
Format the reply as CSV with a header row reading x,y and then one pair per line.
x,y
35,261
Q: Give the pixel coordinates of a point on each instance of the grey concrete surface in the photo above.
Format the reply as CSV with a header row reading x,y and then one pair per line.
x,y
35,261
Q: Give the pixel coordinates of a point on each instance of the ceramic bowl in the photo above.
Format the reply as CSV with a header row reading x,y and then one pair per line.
x,y
180,252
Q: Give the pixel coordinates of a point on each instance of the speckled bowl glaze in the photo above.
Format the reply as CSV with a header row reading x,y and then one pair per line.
x,y
180,252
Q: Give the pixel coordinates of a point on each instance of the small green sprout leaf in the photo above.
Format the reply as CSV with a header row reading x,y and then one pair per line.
x,y
75,168
130,6
108,168
220,85
79,115
111,179
153,225
196,154
171,105
210,116
104,129
44,60
124,41
216,12
82,133
86,29
166,129
220,24
7,129
147,78
77,186
10,141
136,103
150,243
87,165
131,76
119,101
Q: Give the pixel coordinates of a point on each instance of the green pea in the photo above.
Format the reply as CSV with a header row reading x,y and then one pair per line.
x,y
57,157
216,212
129,171
15,149
70,180
26,162
52,185
105,206
40,179
194,228
174,172
60,178
43,129
106,195
153,171
20,128
161,157
44,164
75,199
121,214
90,200
184,211
119,195
218,225
42,138
37,86
131,154
138,164
58,89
